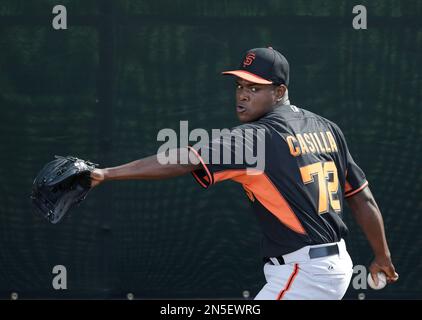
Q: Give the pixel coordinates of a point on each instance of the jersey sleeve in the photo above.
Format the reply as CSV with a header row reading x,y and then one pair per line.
x,y
233,155
355,179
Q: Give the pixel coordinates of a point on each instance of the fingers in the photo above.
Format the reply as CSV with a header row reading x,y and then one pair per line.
x,y
385,267
95,174
374,276
97,177
392,275
393,278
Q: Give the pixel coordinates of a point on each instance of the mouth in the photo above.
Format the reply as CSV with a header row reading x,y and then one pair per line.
x,y
240,109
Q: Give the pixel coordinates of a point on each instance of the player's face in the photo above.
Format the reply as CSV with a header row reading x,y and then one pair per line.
x,y
253,100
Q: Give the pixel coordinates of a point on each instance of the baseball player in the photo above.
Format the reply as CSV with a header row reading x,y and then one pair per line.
x,y
298,195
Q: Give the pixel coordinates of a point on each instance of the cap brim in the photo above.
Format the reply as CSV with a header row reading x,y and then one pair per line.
x,y
247,76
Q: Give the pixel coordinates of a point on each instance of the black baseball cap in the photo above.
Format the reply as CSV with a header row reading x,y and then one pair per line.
x,y
263,66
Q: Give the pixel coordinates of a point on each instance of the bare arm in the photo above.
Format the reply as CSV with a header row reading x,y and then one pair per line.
x,y
146,168
368,216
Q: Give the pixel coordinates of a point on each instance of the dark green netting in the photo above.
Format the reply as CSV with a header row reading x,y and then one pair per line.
x,y
102,90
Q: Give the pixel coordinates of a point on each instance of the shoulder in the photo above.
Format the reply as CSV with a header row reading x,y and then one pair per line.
x,y
333,125
251,126
327,122
335,128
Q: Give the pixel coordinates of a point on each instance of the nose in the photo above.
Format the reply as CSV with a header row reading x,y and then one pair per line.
x,y
243,95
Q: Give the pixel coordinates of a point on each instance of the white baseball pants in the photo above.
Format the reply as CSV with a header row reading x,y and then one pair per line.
x,y
325,278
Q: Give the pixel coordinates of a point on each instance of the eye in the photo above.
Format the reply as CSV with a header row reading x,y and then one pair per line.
x,y
238,86
254,89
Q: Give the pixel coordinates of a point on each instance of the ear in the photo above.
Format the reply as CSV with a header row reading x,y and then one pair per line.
x,y
280,91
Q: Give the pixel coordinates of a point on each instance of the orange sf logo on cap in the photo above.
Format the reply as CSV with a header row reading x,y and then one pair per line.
x,y
250,57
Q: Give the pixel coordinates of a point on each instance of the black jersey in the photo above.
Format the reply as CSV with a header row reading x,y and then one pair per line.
x,y
298,194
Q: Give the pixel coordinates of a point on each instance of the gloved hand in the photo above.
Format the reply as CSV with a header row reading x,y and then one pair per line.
x,y
61,184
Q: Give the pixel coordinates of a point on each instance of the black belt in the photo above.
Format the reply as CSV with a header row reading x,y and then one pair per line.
x,y
314,253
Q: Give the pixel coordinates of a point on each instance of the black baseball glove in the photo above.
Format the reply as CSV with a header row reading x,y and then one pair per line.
x,y
61,184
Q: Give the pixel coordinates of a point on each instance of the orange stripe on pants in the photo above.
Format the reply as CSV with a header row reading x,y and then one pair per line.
x,y
289,283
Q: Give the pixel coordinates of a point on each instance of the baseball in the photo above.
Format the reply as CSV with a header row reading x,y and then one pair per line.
x,y
382,281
